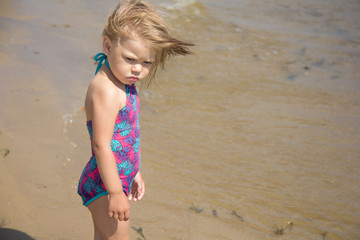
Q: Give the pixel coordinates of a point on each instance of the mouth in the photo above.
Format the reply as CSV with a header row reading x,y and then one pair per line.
x,y
133,79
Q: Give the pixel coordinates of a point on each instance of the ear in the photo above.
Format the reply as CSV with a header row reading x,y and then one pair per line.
x,y
106,45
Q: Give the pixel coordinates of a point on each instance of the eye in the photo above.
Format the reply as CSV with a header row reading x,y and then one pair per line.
x,y
129,59
147,63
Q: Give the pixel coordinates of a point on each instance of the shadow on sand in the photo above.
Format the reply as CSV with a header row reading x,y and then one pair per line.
x,y
11,234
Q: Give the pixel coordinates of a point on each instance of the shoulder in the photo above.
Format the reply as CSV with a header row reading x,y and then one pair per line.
x,y
104,93
105,89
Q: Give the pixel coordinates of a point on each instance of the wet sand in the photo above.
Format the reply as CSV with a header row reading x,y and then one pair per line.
x,y
259,128
34,198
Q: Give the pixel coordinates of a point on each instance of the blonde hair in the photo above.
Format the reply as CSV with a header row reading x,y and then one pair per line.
x,y
138,16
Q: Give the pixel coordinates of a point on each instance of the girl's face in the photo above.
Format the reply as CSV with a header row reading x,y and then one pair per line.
x,y
130,60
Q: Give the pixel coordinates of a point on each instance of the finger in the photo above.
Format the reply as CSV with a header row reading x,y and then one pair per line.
x,y
115,216
134,195
121,217
141,193
137,195
126,215
142,189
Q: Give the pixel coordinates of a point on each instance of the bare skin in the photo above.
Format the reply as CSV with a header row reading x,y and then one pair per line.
x,y
107,227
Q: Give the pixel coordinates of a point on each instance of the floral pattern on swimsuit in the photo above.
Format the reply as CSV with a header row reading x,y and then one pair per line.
x,y
125,145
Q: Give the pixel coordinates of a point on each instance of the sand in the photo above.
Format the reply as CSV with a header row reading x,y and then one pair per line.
x,y
224,130
34,201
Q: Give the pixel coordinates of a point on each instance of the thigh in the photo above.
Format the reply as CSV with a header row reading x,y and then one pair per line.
x,y
108,228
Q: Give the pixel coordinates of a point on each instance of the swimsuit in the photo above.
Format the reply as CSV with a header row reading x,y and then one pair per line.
x,y
125,145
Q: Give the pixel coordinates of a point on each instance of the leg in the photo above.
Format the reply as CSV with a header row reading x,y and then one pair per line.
x,y
97,235
107,228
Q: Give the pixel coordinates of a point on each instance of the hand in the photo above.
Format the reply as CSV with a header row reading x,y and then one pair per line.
x,y
119,207
137,188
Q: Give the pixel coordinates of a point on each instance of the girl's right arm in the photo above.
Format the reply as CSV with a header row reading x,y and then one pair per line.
x,y
103,114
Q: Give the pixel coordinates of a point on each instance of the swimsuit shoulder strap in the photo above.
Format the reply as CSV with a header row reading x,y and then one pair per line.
x,y
101,58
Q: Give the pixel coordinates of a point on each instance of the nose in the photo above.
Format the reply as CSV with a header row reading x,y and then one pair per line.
x,y
136,68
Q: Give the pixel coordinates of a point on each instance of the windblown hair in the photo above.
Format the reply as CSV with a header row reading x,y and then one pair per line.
x,y
139,17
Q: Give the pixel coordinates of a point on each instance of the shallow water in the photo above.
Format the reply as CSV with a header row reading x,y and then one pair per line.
x,y
258,129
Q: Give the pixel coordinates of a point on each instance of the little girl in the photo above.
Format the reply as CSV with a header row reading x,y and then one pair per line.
x,y
136,41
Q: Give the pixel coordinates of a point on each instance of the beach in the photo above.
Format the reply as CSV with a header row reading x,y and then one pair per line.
x,y
254,136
